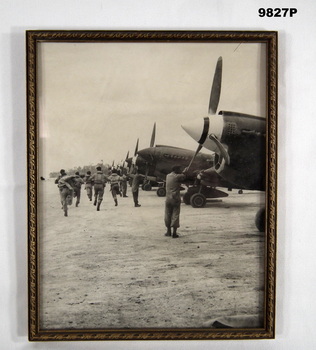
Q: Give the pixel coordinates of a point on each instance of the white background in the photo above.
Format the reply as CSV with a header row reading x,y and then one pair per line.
x,y
296,278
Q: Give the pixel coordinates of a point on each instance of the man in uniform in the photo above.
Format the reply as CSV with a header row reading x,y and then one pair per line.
x,y
99,180
115,180
88,185
137,178
78,181
173,200
62,173
124,183
66,191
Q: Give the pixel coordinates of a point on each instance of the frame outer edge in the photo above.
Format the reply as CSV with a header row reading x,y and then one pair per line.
x,y
32,38
32,183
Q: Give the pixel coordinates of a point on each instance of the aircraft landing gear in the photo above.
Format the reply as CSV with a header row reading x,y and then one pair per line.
x,y
260,219
198,200
147,186
197,195
161,192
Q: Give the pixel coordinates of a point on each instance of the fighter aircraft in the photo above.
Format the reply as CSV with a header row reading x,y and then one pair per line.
x,y
161,159
155,162
142,166
239,142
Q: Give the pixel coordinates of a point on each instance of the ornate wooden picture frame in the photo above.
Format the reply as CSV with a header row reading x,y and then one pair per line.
x,y
105,270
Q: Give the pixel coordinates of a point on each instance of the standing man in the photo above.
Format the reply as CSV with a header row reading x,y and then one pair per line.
x,y
88,185
135,186
99,180
115,180
66,191
77,187
124,183
173,200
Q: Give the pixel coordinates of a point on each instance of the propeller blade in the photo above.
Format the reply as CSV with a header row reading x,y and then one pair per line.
x,y
123,165
131,169
153,136
216,87
134,164
221,148
136,148
196,152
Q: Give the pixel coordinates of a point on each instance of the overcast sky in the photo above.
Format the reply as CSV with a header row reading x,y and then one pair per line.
x,y
96,99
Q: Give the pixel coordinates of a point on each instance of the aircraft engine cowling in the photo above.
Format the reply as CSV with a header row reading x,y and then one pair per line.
x,y
239,141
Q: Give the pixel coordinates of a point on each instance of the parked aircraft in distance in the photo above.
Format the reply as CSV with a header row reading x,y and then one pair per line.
x,y
155,162
160,160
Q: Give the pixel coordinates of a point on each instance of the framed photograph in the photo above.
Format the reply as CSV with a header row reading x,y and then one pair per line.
x,y
152,184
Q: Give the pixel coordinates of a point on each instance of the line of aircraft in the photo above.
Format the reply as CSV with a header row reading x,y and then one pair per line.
x,y
238,143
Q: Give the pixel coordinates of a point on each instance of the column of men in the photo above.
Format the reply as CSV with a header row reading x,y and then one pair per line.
x,y
70,187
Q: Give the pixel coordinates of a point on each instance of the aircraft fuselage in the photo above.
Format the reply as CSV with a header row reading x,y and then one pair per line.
x,y
161,159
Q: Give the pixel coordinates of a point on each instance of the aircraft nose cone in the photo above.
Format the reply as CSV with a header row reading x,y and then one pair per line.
x,y
145,154
142,153
195,129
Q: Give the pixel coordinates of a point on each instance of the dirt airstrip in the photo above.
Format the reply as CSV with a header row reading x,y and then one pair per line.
x,y
116,269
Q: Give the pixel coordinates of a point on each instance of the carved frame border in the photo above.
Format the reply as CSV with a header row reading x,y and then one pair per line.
x,y
270,39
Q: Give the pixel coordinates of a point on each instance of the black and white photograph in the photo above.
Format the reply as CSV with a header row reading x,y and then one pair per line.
x,y
153,200
155,191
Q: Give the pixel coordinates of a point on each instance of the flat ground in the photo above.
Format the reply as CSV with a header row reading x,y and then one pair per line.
x,y
116,269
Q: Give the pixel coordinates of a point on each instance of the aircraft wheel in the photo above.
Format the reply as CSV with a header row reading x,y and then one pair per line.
x,y
260,219
240,192
161,192
198,200
186,198
147,187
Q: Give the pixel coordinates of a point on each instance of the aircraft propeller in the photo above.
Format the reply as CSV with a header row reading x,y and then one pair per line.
x,y
134,159
136,148
213,104
216,87
223,152
153,136
196,153
123,162
212,109
125,158
152,144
